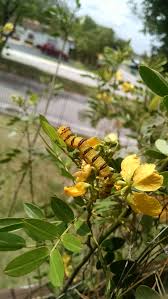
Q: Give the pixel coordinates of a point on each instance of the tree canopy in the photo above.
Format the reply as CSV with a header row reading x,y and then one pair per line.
x,y
91,38
15,10
155,16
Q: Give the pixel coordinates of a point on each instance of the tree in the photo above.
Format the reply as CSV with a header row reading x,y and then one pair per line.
x,y
15,10
155,16
61,17
91,38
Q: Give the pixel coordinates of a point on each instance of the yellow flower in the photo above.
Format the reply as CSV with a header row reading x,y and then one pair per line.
x,y
7,28
93,141
127,87
104,96
119,76
78,189
67,267
145,204
142,177
83,174
66,259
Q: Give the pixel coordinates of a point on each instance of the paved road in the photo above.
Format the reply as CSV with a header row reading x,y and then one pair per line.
x,y
63,109
33,57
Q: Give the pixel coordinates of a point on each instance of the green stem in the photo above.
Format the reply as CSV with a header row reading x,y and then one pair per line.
x,y
94,248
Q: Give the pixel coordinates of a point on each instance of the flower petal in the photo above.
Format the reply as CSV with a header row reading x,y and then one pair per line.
x,y
145,204
93,141
146,178
77,190
128,167
83,174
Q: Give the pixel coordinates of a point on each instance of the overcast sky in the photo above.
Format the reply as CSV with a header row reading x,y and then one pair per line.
x,y
117,14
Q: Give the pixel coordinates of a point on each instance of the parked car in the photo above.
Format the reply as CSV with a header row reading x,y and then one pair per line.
x,y
50,50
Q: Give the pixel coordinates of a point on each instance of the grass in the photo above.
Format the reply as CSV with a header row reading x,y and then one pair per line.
x,y
36,75
47,181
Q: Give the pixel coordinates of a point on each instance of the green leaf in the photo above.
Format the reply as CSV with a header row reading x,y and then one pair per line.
x,y
51,131
27,262
154,103
12,227
78,4
146,292
162,146
113,243
154,80
47,128
154,154
109,257
82,228
62,210
165,178
122,265
41,230
56,272
165,102
10,242
33,211
71,243
9,221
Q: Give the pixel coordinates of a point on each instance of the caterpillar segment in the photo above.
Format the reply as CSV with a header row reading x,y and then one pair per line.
x,y
89,154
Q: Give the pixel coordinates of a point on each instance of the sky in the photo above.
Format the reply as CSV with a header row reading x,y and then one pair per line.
x,y
118,15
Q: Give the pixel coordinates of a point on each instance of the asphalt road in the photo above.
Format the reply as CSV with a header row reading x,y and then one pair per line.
x,y
64,108
32,56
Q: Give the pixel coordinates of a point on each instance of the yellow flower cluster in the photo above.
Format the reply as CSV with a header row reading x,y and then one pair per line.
x,y
127,87
119,76
135,180
67,266
104,96
80,188
8,28
143,178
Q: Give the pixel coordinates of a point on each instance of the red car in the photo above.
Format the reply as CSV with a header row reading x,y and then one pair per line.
x,y
50,50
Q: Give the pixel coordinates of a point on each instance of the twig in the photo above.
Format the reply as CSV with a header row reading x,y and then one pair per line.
x,y
50,93
94,248
16,192
30,164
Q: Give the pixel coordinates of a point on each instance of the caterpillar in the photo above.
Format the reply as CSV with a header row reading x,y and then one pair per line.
x,y
89,154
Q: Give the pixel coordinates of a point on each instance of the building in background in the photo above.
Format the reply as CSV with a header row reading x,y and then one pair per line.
x,y
34,34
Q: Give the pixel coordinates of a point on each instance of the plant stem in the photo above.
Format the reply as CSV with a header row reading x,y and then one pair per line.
x,y
93,249
49,97
16,192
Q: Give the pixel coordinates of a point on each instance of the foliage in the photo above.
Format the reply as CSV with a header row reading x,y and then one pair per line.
x,y
90,40
154,15
16,10
99,219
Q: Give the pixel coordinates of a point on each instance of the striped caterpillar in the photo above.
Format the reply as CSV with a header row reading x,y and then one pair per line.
x,y
89,154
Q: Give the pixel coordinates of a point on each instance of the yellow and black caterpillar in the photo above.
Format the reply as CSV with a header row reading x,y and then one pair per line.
x,y
89,154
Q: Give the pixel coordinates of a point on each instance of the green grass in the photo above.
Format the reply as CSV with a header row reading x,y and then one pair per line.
x,y
36,75
47,181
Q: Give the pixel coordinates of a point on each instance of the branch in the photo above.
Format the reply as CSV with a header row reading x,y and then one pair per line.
x,y
94,248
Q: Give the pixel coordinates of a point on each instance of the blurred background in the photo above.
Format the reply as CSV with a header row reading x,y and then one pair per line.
x,y
31,50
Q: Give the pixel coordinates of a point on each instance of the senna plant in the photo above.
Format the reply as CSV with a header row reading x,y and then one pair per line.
x,y
108,237
132,110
